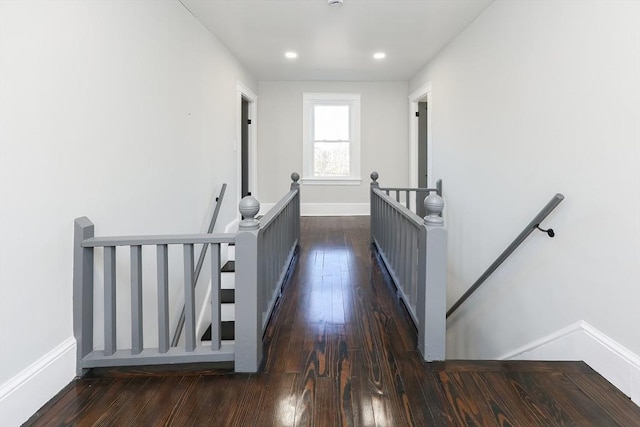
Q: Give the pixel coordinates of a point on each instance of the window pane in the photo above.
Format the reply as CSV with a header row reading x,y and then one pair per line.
x,y
331,159
331,122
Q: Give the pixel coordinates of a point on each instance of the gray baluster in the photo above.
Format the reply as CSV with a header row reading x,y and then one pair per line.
x,y
261,266
404,257
163,298
82,291
394,248
189,299
414,267
109,300
215,297
136,299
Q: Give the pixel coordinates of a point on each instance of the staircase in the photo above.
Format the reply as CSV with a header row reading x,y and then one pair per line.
x,y
227,299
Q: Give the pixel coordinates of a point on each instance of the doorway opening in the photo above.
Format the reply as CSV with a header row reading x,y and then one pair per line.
x,y
245,122
420,143
246,143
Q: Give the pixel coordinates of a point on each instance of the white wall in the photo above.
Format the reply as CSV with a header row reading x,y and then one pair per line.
x,y
121,111
535,98
384,132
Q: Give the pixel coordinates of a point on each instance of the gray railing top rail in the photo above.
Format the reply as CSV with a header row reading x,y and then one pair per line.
x,y
423,190
266,220
535,222
175,239
437,189
275,210
408,214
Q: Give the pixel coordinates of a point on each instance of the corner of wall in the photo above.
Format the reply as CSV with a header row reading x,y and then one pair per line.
x,y
24,394
334,209
581,341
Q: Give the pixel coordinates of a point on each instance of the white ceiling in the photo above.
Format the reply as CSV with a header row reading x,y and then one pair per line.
x,y
335,43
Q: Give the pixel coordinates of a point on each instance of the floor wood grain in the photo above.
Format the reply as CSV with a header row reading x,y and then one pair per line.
x,y
341,351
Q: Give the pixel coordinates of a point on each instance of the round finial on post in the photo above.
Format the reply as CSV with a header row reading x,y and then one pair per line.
x,y
374,180
249,208
295,177
434,205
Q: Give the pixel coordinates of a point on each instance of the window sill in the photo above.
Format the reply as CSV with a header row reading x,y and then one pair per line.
x,y
331,181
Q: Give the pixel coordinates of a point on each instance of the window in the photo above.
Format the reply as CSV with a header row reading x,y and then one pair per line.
x,y
331,150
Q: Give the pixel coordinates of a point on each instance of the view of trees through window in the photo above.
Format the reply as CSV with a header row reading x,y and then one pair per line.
x,y
331,140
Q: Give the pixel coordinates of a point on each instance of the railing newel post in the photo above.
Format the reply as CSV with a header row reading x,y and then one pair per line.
x,y
248,326
82,291
295,177
372,202
295,185
433,205
432,284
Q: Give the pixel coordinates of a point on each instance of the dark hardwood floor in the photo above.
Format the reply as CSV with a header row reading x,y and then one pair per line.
x,y
340,350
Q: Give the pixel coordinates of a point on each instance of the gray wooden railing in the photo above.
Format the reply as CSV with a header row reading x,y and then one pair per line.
x,y
405,195
252,286
265,249
414,251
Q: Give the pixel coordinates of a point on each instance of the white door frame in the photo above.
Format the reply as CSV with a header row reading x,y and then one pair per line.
x,y
422,94
249,95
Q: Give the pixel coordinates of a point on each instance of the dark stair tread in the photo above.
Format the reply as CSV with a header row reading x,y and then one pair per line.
x,y
229,267
227,296
227,331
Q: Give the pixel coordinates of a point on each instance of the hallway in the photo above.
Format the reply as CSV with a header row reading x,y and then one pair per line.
x,y
340,350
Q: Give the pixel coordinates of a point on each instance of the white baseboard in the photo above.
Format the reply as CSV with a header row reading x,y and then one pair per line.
x,y
24,394
581,341
326,209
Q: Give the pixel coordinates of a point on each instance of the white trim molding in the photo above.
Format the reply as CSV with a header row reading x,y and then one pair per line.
x,y
24,394
309,101
422,94
325,209
581,341
331,181
246,93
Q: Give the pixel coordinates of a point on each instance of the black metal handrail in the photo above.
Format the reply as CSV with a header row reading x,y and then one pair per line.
x,y
176,335
534,224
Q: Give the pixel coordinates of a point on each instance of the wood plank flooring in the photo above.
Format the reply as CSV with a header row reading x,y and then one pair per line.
x,y
340,350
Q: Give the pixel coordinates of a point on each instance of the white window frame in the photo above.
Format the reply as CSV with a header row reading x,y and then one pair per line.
x,y
309,100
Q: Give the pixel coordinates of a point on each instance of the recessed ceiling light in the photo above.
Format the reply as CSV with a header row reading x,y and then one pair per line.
x,y
291,55
335,3
379,55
